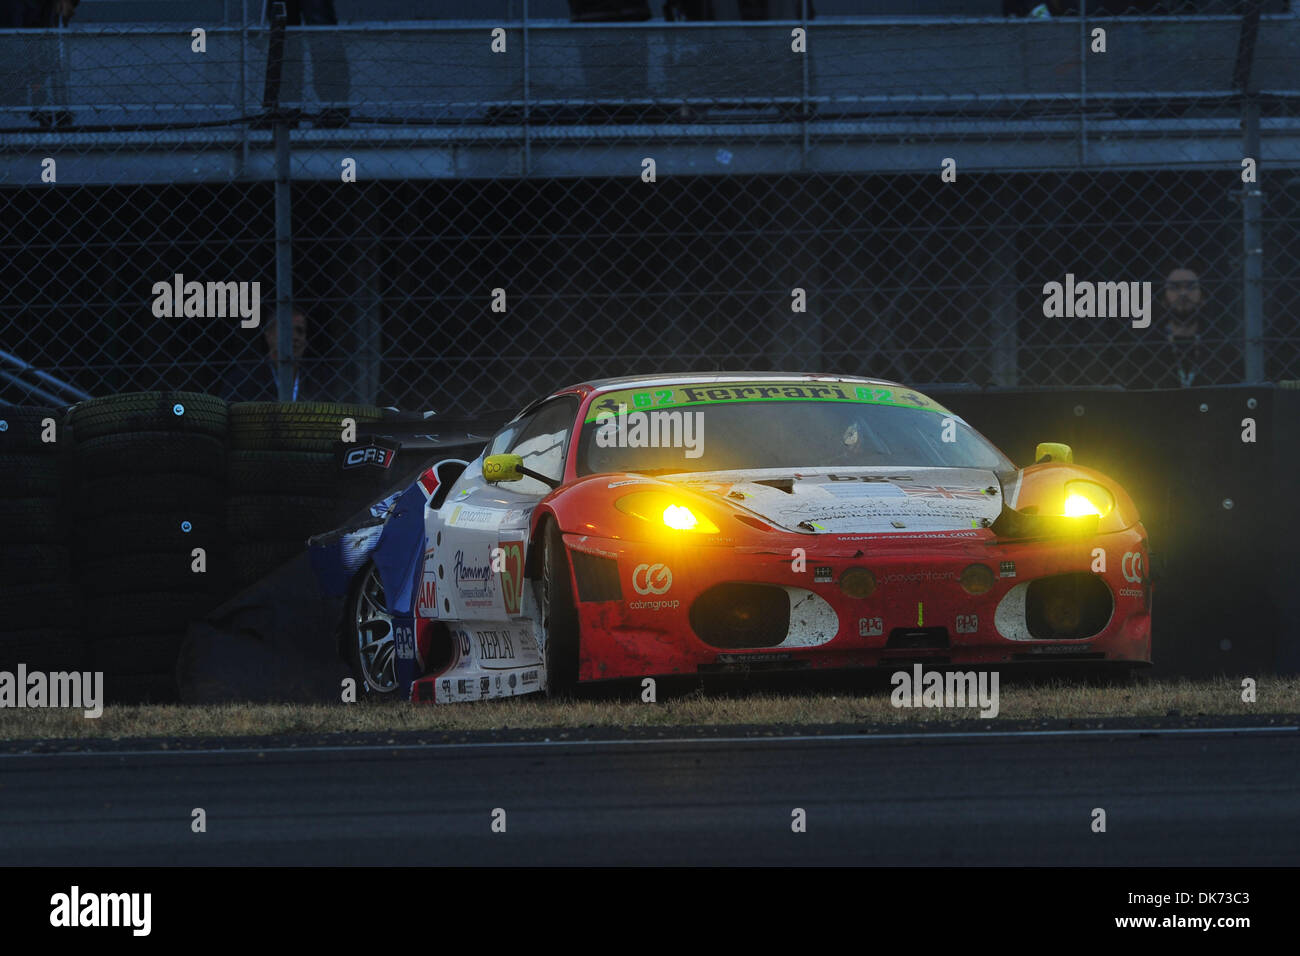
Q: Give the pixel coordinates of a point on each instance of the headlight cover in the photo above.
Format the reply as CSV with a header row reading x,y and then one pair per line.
x,y
665,510
1083,498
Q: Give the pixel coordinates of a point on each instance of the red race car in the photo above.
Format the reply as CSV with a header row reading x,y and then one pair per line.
x,y
693,524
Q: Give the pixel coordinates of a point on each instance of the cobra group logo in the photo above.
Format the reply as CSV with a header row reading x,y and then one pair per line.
x,y
652,579
1131,566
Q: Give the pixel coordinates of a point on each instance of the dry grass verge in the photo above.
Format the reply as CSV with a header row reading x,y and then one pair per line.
x,y
1181,698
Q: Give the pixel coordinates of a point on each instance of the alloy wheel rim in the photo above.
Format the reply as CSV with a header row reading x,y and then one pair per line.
x,y
376,647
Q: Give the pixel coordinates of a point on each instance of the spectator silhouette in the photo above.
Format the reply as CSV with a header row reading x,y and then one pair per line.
x,y
257,380
1197,344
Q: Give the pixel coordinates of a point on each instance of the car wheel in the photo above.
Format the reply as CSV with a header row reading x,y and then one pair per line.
x,y
559,616
370,636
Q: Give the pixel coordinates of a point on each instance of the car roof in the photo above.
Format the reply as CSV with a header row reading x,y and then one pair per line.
x,y
707,378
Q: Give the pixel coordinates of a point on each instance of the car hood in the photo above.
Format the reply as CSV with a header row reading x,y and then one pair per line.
x,y
860,500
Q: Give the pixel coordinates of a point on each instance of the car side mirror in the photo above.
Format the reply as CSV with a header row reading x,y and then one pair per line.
x,y
1053,451
502,468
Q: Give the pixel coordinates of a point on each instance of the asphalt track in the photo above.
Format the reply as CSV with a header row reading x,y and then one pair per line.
x,y
1190,797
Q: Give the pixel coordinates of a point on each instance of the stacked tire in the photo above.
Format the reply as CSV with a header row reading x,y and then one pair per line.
x,y
148,531
40,620
285,483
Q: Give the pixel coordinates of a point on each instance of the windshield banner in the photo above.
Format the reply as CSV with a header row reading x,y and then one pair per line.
x,y
683,396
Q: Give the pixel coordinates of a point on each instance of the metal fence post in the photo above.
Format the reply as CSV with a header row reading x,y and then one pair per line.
x,y
1252,235
803,96
285,390
528,139
1252,206
283,267
1083,82
243,87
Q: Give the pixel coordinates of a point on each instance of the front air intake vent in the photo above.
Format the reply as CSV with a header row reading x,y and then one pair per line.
x,y
596,577
1067,606
741,615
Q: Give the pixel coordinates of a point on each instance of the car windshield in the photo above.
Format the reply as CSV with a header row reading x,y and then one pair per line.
x,y
744,426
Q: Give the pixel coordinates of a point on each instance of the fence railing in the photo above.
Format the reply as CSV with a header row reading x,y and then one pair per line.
x,y
469,214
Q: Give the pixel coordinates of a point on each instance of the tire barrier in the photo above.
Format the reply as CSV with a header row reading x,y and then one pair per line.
x,y
40,616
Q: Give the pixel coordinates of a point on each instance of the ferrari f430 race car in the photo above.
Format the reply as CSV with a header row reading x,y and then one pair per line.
x,y
694,524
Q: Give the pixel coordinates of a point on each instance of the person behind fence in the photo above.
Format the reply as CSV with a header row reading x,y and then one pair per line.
x,y
257,380
330,75
1196,345
36,66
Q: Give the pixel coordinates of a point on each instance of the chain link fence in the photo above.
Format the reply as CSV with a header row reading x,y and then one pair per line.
x,y
467,215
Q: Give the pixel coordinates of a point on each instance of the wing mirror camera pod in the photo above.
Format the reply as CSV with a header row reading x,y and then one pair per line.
x,y
502,468
1050,451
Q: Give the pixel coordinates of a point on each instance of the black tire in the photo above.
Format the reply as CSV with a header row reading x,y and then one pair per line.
x,y
283,472
136,655
559,615
153,571
32,521
117,494
247,417
281,517
253,560
44,649
29,476
20,428
149,412
147,612
26,607
34,564
144,531
152,452
293,426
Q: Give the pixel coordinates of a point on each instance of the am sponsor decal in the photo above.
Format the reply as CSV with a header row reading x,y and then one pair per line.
x,y
426,604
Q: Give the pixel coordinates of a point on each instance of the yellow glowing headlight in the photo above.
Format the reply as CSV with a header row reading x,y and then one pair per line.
x,y
660,508
1084,498
1076,506
681,518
